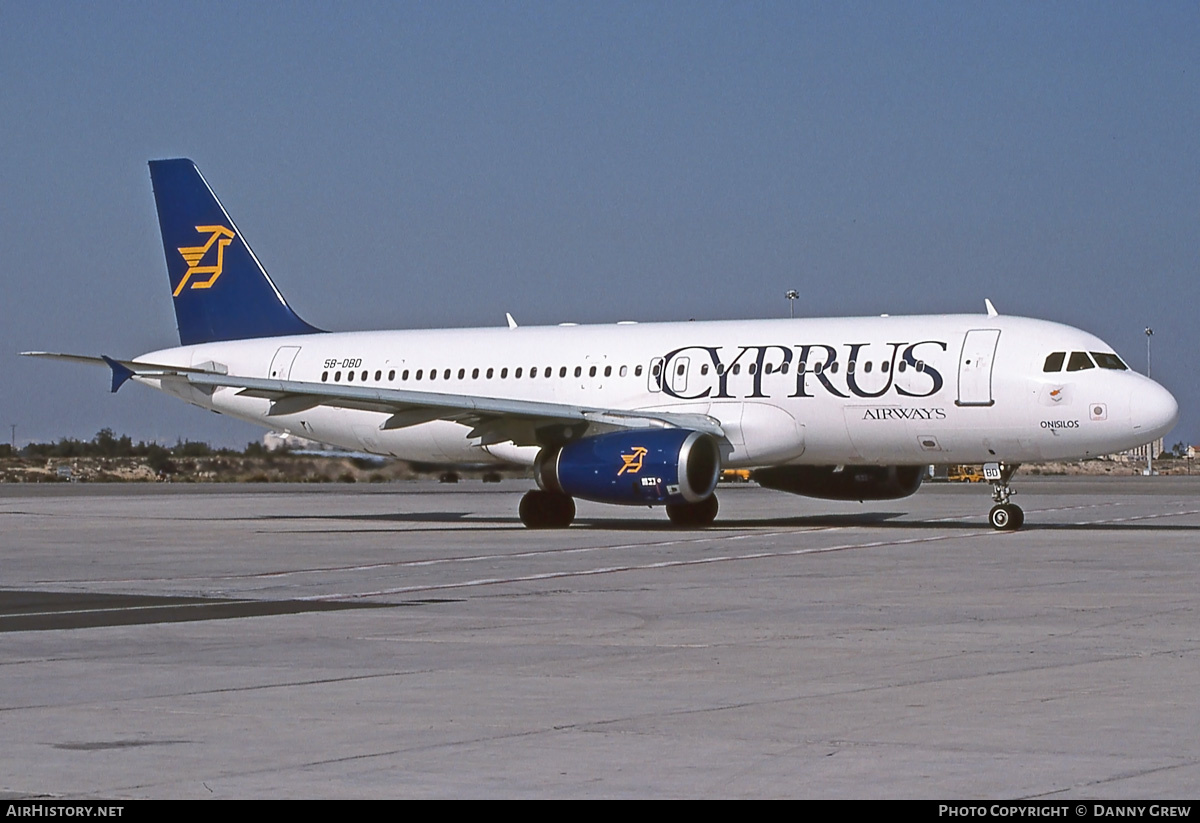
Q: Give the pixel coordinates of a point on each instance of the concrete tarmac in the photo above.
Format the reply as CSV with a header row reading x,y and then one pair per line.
x,y
412,640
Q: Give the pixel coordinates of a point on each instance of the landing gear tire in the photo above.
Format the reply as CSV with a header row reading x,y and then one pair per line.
x,y
1006,517
546,510
697,514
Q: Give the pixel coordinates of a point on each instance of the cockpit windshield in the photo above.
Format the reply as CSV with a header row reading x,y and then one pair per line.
x,y
1081,360
1054,362
1109,361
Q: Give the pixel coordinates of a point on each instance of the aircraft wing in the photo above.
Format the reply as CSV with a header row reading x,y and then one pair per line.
x,y
492,419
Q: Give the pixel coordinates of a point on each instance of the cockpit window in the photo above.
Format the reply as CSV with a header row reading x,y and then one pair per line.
x,y
1080,361
1055,361
1107,360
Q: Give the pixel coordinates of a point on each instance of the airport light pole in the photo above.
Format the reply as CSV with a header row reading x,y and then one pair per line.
x,y
792,296
1149,446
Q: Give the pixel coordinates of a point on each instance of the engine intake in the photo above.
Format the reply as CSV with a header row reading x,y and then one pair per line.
x,y
636,467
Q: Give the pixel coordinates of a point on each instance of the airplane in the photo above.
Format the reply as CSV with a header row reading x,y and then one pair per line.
x,y
647,414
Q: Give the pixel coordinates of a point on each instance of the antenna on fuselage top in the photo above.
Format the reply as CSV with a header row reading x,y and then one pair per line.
x,y
991,310
512,324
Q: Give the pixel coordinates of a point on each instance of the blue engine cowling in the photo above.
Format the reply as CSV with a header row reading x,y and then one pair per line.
x,y
637,467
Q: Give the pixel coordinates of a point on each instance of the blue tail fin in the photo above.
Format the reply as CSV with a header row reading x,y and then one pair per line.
x,y
221,291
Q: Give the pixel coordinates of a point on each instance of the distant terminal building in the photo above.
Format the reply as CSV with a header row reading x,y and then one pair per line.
x,y
1139,453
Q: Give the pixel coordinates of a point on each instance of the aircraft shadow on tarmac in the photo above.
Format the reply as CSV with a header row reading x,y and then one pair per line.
x,y
46,611
884,520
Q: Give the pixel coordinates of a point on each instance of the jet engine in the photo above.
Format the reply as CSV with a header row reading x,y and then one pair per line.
x,y
843,482
636,467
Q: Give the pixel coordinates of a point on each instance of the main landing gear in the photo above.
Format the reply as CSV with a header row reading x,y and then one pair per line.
x,y
551,510
546,510
693,514
1004,516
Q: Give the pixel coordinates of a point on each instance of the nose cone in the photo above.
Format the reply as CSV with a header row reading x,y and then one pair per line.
x,y
1152,410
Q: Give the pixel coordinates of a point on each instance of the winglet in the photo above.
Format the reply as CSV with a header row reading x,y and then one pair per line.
x,y
991,310
119,373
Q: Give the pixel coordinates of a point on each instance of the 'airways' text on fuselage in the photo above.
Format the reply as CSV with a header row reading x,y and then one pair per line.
x,y
901,368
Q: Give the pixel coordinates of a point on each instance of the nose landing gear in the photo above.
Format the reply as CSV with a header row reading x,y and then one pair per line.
x,y
1004,516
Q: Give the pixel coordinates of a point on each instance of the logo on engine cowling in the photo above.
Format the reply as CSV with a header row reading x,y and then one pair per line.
x,y
633,462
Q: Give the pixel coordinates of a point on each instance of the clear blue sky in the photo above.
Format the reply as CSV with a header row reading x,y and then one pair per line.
x,y
437,164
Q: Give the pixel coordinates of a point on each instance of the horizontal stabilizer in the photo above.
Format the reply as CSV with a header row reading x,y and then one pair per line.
x,y
120,372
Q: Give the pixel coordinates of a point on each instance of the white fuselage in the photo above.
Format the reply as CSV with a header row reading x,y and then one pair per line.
x,y
889,390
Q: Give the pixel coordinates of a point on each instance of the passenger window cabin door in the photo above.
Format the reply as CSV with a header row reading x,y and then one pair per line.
x,y
654,375
975,367
679,375
281,364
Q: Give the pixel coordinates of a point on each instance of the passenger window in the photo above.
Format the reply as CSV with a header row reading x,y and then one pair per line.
x,y
704,368
1054,362
867,367
337,377
920,365
1080,361
592,371
420,373
637,371
474,374
784,368
517,373
885,366
679,369
446,375
578,371
364,377
324,376
350,376
1108,360
504,372
850,367
768,368
378,376
656,368
490,372
902,367
562,371
737,368
462,373
624,370
833,367
391,375
433,374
